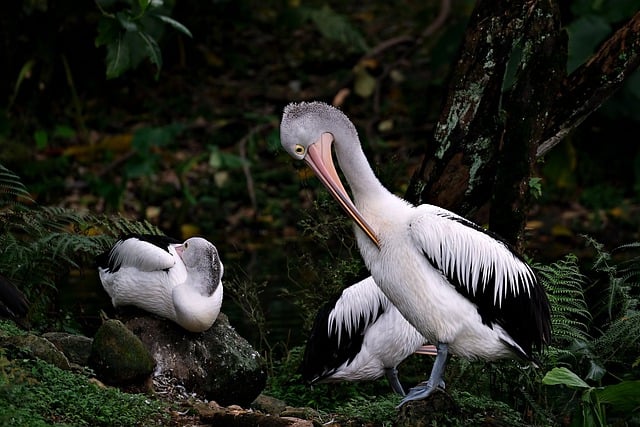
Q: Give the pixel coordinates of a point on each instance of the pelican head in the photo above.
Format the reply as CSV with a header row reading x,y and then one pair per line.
x,y
307,132
197,301
201,257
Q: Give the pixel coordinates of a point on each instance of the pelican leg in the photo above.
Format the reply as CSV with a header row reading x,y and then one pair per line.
x,y
394,382
426,388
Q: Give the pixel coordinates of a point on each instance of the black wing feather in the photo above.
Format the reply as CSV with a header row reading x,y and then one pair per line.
x,y
522,310
324,353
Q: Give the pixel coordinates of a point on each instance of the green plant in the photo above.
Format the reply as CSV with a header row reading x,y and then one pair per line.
x,y
623,397
570,315
131,34
42,244
143,159
11,188
611,347
333,26
35,393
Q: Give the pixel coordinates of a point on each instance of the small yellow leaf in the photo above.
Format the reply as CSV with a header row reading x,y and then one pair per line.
x,y
364,84
561,230
189,230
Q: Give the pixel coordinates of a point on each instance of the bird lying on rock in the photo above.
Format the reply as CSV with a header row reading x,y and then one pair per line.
x,y
360,336
460,286
179,281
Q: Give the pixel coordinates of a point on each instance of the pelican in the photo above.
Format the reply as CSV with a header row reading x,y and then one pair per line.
x,y
179,281
460,286
360,336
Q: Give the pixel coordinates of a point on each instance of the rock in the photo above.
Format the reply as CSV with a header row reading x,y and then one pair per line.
x,y
233,416
118,357
37,347
438,409
217,364
77,348
269,405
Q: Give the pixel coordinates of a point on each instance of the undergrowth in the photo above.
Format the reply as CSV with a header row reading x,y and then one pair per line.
x,y
35,393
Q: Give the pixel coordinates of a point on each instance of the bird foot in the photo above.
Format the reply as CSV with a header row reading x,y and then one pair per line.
x,y
421,391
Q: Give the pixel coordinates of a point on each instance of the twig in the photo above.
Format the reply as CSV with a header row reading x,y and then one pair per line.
x,y
246,169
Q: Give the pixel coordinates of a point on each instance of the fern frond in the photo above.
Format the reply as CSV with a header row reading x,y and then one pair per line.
x,y
11,188
564,283
620,338
41,245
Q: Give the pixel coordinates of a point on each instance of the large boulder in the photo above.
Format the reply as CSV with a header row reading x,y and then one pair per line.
x,y
217,364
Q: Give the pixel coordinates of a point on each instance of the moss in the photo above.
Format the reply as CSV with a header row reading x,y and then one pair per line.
x,y
118,356
35,393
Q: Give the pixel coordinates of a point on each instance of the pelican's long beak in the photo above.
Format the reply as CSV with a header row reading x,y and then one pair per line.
x,y
179,249
320,161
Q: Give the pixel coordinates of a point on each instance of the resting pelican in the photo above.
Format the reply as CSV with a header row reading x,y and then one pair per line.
x,y
360,336
458,285
178,281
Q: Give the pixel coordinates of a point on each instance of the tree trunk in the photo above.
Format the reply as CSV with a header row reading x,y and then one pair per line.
x,y
509,102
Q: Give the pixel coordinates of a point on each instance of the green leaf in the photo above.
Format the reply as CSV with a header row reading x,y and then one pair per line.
x,y
152,50
42,139
175,24
108,31
127,21
563,376
63,131
336,27
585,34
118,58
144,4
623,397
24,72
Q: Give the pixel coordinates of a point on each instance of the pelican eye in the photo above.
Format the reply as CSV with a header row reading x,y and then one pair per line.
x,y
299,149
186,245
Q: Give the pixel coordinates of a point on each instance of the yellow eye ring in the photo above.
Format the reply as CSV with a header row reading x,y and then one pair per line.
x,y
299,149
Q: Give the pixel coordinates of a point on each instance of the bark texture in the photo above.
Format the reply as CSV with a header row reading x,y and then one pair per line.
x,y
510,101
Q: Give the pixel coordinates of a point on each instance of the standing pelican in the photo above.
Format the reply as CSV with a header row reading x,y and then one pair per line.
x,y
360,336
458,285
178,281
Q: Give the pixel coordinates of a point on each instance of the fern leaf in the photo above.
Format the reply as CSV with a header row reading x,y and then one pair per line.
x,y
10,185
570,315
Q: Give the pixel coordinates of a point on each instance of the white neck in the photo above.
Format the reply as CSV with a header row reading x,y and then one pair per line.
x,y
356,169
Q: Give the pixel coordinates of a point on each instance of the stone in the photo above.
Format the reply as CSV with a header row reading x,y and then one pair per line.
x,y
118,357
39,347
217,364
77,348
437,409
268,404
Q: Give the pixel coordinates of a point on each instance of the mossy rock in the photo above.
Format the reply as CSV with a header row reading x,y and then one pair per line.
x,y
118,357
37,347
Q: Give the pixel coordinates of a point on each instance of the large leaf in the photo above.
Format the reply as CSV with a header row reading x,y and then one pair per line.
x,y
623,397
585,34
118,58
563,376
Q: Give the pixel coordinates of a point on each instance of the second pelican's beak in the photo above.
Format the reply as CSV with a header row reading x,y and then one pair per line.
x,y
320,161
179,249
